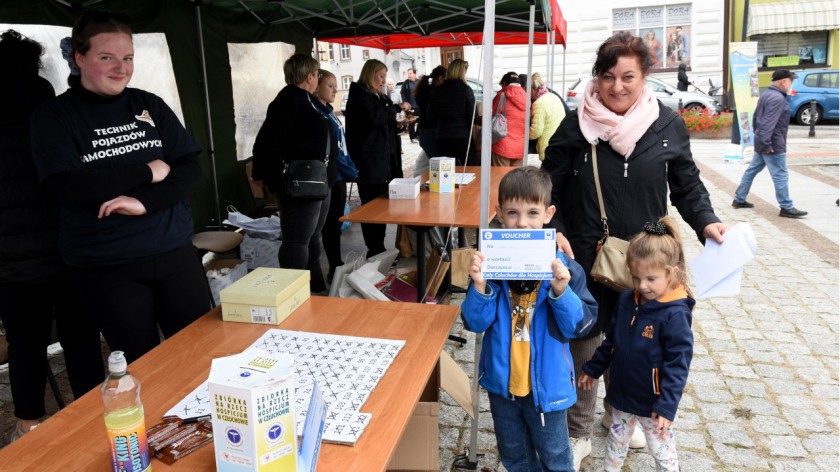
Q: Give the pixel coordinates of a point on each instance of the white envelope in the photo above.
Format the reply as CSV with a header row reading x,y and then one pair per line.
x,y
717,270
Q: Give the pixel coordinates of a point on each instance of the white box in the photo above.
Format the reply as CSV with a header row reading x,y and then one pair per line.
x,y
253,416
404,189
442,174
258,252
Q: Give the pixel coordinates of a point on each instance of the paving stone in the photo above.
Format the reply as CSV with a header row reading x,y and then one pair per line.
x,y
690,440
452,416
759,406
785,387
448,437
788,466
802,360
718,335
795,401
830,407
767,371
739,456
795,348
827,349
810,374
740,371
706,379
806,420
599,448
728,358
756,344
747,334
762,356
811,328
740,321
829,463
695,462
715,411
770,425
787,446
486,441
709,394
746,387
686,403
716,345
775,326
729,433
686,420
817,443
700,350
703,363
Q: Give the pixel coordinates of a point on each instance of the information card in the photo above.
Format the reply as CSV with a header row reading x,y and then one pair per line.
x,y
518,254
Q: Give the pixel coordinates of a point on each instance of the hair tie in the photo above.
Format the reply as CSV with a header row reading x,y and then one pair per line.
x,y
67,54
657,228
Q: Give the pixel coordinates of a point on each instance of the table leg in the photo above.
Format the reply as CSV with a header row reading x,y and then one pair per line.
x,y
421,261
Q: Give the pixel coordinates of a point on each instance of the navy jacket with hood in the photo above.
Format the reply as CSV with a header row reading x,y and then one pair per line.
x,y
648,352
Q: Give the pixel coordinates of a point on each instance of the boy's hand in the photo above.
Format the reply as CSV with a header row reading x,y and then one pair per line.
x,y
663,426
561,277
586,382
475,272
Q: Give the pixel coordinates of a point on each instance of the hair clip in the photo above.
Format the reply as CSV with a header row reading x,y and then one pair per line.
x,y
657,228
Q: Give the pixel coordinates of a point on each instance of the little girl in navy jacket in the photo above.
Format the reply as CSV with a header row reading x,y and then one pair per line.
x,y
649,349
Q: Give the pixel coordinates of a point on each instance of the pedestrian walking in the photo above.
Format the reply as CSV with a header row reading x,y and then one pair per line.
x,y
770,122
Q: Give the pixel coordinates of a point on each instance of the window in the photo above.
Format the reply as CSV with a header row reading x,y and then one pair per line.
x,y
365,54
322,52
665,29
345,82
802,48
344,51
824,80
332,54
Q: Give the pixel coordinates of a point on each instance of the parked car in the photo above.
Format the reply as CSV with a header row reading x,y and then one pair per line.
x,y
821,84
344,102
668,95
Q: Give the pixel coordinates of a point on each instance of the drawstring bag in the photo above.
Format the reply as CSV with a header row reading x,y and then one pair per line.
x,y
499,127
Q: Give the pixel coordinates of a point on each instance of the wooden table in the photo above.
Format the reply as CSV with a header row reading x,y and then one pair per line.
x,y
74,439
459,208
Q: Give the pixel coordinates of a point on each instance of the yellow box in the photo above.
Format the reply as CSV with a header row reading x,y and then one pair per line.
x,y
266,296
442,174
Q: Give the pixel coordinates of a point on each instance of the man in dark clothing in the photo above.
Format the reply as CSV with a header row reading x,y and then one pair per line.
x,y
407,94
770,122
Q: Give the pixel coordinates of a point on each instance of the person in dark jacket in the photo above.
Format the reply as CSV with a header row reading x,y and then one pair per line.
x,y
423,95
35,285
121,166
407,95
373,143
643,151
649,347
682,78
770,122
295,129
452,111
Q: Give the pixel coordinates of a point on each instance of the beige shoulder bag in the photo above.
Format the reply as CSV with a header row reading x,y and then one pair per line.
x,y
610,267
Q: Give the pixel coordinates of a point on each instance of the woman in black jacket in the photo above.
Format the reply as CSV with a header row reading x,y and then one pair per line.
x,y
643,152
682,79
35,285
452,112
372,142
294,129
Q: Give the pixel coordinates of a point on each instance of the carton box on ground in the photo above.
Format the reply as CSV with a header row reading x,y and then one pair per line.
x,y
442,174
258,252
418,447
265,295
404,189
253,416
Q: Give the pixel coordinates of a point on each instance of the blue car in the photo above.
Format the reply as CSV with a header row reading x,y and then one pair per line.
x,y
821,84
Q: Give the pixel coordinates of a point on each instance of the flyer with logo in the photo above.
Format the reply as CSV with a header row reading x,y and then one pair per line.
x,y
517,254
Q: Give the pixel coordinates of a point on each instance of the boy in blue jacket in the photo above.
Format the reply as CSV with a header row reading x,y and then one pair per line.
x,y
526,366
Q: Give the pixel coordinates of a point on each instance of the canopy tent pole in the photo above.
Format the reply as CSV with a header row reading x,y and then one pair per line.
x,y
211,151
484,204
528,85
551,58
563,77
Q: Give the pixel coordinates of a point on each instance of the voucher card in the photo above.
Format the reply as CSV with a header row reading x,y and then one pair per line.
x,y
518,254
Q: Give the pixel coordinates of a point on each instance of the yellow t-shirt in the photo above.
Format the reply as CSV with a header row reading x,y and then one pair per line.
x,y
522,308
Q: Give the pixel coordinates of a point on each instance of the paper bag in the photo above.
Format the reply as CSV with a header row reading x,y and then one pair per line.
x,y
436,269
461,259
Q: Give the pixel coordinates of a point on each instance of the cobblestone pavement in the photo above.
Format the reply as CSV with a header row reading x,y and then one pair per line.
x,y
763,390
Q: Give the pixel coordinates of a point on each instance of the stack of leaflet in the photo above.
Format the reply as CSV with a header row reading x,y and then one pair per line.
x,y
464,178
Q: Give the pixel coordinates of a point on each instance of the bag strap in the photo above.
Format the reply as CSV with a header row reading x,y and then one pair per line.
x,y
502,104
598,189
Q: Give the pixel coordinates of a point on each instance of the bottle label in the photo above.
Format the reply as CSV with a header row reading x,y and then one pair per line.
x,y
129,449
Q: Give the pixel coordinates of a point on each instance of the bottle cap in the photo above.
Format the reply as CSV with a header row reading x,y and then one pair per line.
x,y
117,362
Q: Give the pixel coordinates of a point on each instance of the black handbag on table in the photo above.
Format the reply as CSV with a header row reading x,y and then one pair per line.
x,y
307,178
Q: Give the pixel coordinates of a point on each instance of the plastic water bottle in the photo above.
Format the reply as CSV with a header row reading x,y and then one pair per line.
x,y
124,418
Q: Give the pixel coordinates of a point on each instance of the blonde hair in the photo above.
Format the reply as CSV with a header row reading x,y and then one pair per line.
x,y
298,67
368,73
457,70
659,246
323,75
537,80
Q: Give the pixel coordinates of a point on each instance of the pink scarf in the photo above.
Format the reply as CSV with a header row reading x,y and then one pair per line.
x,y
622,132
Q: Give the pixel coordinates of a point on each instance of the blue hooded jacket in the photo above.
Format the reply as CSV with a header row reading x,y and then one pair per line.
x,y
553,323
650,349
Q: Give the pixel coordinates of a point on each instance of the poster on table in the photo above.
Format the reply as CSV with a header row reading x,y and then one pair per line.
x,y
743,60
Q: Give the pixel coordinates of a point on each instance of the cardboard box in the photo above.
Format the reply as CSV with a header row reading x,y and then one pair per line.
x,y
253,416
265,296
258,252
418,447
221,273
442,174
404,189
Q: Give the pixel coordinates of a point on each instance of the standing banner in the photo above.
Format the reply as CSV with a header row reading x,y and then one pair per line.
x,y
743,60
